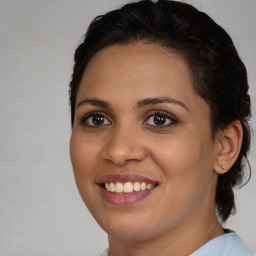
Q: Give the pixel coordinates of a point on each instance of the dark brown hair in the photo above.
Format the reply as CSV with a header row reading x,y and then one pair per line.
x,y
218,73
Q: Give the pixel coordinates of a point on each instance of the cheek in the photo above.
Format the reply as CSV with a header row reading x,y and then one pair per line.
x,y
186,163
84,158
179,155
186,166
83,154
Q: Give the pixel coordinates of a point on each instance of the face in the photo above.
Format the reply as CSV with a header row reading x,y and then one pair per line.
x,y
141,145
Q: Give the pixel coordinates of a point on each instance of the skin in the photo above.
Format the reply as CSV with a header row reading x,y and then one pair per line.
x,y
180,155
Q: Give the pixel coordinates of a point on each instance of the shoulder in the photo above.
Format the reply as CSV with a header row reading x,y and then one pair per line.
x,y
105,253
229,244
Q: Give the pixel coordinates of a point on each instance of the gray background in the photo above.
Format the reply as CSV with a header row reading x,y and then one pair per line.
x,y
41,212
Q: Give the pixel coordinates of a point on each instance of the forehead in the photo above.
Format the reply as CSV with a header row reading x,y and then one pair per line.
x,y
148,68
123,76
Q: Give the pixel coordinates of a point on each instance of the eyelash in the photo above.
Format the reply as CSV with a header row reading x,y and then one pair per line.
x,y
85,119
164,114
172,120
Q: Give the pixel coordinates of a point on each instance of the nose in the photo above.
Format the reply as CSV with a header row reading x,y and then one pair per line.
x,y
124,145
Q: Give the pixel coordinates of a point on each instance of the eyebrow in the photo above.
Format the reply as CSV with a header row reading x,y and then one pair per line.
x,y
154,101
140,104
94,102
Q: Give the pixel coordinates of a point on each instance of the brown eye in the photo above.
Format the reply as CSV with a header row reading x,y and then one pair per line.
x,y
161,119
95,120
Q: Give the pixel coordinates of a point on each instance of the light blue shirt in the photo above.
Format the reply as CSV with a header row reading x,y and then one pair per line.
x,y
229,244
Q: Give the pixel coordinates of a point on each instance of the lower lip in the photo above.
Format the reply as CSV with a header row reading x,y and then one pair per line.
x,y
124,198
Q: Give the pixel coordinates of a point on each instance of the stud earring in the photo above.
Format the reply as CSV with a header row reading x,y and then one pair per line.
x,y
223,169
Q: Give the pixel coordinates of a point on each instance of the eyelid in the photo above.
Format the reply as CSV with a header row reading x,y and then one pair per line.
x,y
83,118
173,119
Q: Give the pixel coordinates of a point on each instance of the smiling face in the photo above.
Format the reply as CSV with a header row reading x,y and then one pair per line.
x,y
141,132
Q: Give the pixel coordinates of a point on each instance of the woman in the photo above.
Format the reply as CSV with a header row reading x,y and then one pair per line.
x,y
159,110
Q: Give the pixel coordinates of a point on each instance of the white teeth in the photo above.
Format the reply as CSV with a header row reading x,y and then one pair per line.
x,y
149,186
107,185
127,187
143,186
119,187
112,187
136,186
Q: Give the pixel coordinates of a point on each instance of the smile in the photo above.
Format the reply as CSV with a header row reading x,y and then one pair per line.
x,y
125,189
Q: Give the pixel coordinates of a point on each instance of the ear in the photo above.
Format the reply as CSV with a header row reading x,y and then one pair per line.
x,y
228,145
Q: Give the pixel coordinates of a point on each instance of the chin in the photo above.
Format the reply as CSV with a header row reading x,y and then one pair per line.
x,y
127,227
131,233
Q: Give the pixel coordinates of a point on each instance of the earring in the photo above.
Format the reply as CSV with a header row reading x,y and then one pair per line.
x,y
223,169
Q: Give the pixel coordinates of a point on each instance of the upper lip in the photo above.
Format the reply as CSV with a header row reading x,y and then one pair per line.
x,y
125,178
